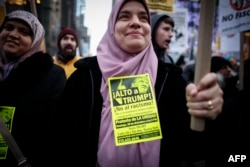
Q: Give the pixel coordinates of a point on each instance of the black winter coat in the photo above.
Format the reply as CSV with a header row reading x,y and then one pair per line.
x,y
78,118
34,88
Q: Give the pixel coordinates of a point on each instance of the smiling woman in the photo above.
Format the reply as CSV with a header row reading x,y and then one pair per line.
x,y
29,83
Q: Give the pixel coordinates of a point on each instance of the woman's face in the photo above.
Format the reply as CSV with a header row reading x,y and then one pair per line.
x,y
15,38
132,28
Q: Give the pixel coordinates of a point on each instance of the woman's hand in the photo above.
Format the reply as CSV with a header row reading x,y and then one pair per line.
x,y
205,99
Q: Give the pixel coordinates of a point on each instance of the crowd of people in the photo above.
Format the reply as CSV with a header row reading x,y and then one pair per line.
x,y
60,107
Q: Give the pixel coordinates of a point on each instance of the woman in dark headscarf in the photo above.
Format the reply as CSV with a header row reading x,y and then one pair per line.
x,y
30,85
124,51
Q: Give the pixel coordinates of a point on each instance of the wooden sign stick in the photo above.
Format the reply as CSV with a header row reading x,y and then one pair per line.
x,y
34,12
33,7
204,50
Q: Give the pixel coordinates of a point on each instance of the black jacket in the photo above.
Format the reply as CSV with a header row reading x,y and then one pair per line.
x,y
33,88
79,116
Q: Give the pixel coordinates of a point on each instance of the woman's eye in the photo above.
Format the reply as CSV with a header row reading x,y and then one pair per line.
x,y
8,27
144,18
124,17
25,32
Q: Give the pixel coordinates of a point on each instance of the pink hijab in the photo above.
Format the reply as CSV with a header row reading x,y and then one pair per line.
x,y
114,61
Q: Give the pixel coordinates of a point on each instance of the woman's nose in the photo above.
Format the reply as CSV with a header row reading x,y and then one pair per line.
x,y
135,21
14,33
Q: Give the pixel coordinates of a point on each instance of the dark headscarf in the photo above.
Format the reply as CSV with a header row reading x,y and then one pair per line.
x,y
37,38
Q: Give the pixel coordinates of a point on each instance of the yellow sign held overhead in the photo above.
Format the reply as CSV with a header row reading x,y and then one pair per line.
x,y
2,11
163,6
17,2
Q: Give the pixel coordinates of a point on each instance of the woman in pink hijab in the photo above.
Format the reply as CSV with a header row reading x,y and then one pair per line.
x,y
111,136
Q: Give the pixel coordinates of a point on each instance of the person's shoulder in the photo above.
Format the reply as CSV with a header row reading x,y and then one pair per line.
x,y
57,67
41,53
57,72
50,62
189,65
76,58
39,60
171,67
46,60
86,62
84,67
42,63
